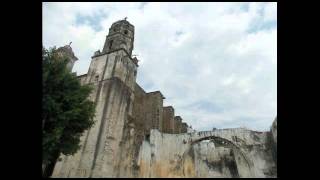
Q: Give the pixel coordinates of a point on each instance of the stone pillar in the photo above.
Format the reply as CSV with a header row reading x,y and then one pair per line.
x,y
154,111
168,119
178,123
184,127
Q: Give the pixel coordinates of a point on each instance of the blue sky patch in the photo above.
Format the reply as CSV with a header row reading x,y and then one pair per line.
x,y
93,21
262,26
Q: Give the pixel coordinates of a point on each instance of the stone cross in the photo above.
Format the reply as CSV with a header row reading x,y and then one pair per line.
x,y
125,18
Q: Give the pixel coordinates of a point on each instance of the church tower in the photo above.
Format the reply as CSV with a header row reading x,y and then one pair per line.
x,y
66,51
112,73
116,55
121,35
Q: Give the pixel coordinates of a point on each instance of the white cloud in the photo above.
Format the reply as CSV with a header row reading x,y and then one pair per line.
x,y
214,62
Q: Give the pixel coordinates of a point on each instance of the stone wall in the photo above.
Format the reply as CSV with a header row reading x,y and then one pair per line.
x,y
184,127
114,64
273,141
222,153
66,51
82,78
138,106
168,119
100,153
113,78
153,107
149,113
135,136
177,125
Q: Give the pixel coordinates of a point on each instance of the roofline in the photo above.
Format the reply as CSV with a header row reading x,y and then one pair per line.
x,y
82,75
168,107
153,92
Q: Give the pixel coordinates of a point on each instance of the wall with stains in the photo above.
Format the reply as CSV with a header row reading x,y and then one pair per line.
x,y
222,153
135,136
113,79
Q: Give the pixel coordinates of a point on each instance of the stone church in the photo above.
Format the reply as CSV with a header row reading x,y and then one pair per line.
x,y
135,136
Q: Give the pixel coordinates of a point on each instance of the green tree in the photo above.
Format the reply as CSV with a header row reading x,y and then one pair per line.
x,y
66,110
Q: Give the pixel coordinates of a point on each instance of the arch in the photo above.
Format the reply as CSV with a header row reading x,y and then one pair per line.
x,y
227,143
217,138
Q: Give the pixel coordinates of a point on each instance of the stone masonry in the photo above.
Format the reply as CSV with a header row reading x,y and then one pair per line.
x,y
135,136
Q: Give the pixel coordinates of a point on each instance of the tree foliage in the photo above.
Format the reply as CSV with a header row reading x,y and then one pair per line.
x,y
66,110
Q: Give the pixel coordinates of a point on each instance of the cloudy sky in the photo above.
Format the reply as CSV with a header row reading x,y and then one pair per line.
x,y
216,63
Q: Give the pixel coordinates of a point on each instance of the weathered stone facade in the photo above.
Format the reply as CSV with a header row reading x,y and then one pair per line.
x,y
67,51
225,153
135,136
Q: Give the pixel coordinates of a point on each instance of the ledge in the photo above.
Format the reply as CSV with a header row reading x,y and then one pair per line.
x,y
155,92
129,56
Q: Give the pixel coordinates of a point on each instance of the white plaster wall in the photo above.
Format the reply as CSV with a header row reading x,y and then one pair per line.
x,y
164,150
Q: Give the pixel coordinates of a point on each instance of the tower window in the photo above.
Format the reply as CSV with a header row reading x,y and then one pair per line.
x,y
97,77
110,44
125,32
147,137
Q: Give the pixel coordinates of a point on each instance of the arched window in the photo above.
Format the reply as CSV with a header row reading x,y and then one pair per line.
x,y
125,31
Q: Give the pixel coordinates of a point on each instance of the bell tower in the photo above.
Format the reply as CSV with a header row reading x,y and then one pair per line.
x,y
112,74
121,36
